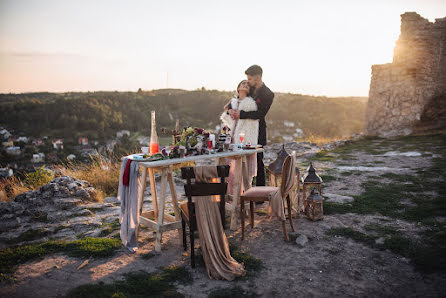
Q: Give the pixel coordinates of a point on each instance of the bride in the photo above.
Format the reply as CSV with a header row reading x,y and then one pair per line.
x,y
249,128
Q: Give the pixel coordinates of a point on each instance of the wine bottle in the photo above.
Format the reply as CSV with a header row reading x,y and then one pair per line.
x,y
154,142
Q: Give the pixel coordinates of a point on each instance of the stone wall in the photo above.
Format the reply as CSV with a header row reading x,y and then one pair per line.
x,y
409,94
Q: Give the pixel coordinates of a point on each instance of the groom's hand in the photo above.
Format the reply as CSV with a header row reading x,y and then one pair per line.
x,y
236,114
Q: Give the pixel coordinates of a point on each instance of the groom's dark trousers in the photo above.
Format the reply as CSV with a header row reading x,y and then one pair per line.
x,y
264,98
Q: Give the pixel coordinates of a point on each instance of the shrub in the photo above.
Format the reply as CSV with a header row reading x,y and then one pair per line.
x,y
38,178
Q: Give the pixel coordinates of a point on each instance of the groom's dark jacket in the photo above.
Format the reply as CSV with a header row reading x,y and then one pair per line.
x,y
264,98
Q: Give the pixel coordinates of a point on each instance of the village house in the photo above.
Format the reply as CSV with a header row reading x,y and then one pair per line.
x,y
82,141
6,172
39,157
13,150
5,134
299,133
88,151
58,144
22,139
121,133
37,142
110,145
8,143
144,141
288,123
71,157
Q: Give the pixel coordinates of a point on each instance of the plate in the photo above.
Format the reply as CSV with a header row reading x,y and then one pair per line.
x,y
138,157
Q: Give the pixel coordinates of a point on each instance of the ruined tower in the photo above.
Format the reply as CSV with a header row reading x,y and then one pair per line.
x,y
409,94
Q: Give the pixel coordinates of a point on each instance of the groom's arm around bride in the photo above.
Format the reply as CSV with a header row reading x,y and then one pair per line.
x,y
264,97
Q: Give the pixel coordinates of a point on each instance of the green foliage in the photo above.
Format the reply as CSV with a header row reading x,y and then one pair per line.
x,y
322,156
352,234
138,284
252,264
427,257
328,178
390,198
108,228
39,177
419,198
29,235
148,256
89,247
98,115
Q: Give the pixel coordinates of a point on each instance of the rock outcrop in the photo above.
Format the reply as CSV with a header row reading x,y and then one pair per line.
x,y
409,94
60,209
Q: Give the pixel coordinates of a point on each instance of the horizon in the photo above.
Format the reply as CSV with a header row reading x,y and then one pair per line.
x,y
316,48
178,89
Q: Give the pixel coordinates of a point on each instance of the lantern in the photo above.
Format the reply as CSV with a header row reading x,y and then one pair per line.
x,y
275,171
310,180
314,207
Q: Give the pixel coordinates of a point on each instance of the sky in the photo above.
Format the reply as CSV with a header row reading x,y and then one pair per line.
x,y
309,47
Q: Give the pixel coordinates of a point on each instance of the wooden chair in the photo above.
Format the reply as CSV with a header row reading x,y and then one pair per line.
x,y
262,193
200,189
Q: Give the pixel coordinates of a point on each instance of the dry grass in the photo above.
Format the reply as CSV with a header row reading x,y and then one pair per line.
x,y
320,140
102,173
11,187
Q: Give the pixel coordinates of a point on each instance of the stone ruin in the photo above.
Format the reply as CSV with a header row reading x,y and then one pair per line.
x,y
409,95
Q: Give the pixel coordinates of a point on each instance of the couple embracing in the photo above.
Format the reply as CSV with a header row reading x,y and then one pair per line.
x,y
245,114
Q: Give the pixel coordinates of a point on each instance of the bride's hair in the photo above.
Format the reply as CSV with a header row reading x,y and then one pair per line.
x,y
251,89
238,86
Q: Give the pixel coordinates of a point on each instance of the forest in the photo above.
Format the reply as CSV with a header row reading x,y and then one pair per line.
x,y
98,115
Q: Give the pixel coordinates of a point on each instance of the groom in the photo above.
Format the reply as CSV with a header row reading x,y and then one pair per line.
x,y
264,98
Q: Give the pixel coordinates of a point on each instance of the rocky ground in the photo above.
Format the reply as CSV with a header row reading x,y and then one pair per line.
x,y
383,233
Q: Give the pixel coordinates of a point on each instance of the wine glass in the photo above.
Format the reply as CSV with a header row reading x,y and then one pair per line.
x,y
168,150
242,137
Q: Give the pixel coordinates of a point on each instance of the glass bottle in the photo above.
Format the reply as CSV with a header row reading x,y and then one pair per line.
x,y
154,142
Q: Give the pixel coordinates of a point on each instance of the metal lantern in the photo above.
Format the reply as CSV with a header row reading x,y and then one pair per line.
x,y
275,172
275,167
315,206
310,180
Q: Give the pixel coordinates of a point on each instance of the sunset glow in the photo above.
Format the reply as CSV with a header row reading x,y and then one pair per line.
x,y
309,47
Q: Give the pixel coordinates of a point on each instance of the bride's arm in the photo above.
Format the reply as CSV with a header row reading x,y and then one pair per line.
x,y
227,106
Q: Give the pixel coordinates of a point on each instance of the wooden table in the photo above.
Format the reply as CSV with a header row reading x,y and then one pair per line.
x,y
157,219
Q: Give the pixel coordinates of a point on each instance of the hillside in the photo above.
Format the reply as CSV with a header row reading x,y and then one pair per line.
x,y
98,115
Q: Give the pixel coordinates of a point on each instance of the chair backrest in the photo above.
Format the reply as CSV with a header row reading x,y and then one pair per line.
x,y
205,189
289,168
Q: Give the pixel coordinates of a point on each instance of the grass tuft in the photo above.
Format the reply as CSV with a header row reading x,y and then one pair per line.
x,y
101,172
89,247
138,284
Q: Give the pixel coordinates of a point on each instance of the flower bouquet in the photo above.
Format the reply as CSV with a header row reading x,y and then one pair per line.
x,y
194,139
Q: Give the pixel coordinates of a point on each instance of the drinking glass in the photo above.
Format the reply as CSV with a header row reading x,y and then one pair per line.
x,y
242,137
168,150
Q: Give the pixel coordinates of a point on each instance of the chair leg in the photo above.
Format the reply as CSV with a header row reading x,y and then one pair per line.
x,y
289,213
251,214
284,230
183,225
242,216
192,247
